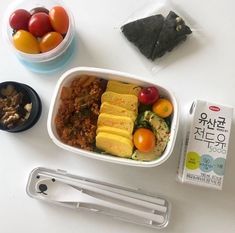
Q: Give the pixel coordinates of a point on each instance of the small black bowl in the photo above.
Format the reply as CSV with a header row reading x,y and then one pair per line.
x,y
29,96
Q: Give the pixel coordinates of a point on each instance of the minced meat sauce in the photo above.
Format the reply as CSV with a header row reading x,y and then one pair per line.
x,y
76,119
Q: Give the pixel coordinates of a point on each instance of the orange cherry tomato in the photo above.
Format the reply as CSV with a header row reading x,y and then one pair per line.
x,y
26,42
59,19
50,41
144,140
163,108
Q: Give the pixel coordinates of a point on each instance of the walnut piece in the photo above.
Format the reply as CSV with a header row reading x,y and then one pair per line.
x,y
13,109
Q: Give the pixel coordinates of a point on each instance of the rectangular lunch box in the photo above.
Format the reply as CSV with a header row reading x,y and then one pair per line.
x,y
84,194
66,80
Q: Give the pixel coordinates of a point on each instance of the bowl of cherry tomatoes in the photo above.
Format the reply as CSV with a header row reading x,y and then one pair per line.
x,y
41,33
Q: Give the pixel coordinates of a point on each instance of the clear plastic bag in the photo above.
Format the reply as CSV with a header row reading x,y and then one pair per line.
x,y
180,51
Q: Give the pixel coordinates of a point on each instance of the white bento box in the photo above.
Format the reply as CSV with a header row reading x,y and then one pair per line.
x,y
66,80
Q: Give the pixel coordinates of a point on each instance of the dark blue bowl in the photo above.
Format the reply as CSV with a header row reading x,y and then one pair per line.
x,y
30,96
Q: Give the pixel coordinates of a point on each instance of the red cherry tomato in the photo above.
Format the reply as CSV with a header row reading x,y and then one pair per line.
x,y
50,41
59,19
144,140
39,24
39,9
148,95
19,19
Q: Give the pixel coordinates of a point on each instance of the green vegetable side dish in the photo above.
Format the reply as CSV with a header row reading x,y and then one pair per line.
x,y
161,131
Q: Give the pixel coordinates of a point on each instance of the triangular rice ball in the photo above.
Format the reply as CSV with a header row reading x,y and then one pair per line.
x,y
173,32
144,33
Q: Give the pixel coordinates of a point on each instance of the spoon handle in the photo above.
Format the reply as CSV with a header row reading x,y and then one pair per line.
x,y
92,191
124,192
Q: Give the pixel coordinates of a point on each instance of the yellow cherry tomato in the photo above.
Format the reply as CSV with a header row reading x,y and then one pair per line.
x,y
50,41
26,42
144,140
163,107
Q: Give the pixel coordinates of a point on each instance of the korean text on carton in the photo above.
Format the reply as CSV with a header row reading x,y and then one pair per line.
x,y
206,145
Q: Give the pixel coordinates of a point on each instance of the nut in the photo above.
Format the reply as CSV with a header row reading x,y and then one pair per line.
x,y
13,109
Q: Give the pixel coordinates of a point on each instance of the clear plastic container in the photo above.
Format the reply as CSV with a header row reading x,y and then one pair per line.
x,y
66,80
48,61
125,204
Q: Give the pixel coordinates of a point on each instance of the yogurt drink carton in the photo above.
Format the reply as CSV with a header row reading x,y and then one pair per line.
x,y
205,145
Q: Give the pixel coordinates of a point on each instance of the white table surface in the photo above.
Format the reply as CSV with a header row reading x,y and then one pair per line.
x,y
203,68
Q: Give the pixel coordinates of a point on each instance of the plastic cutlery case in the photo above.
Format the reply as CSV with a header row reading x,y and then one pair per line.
x,y
131,205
